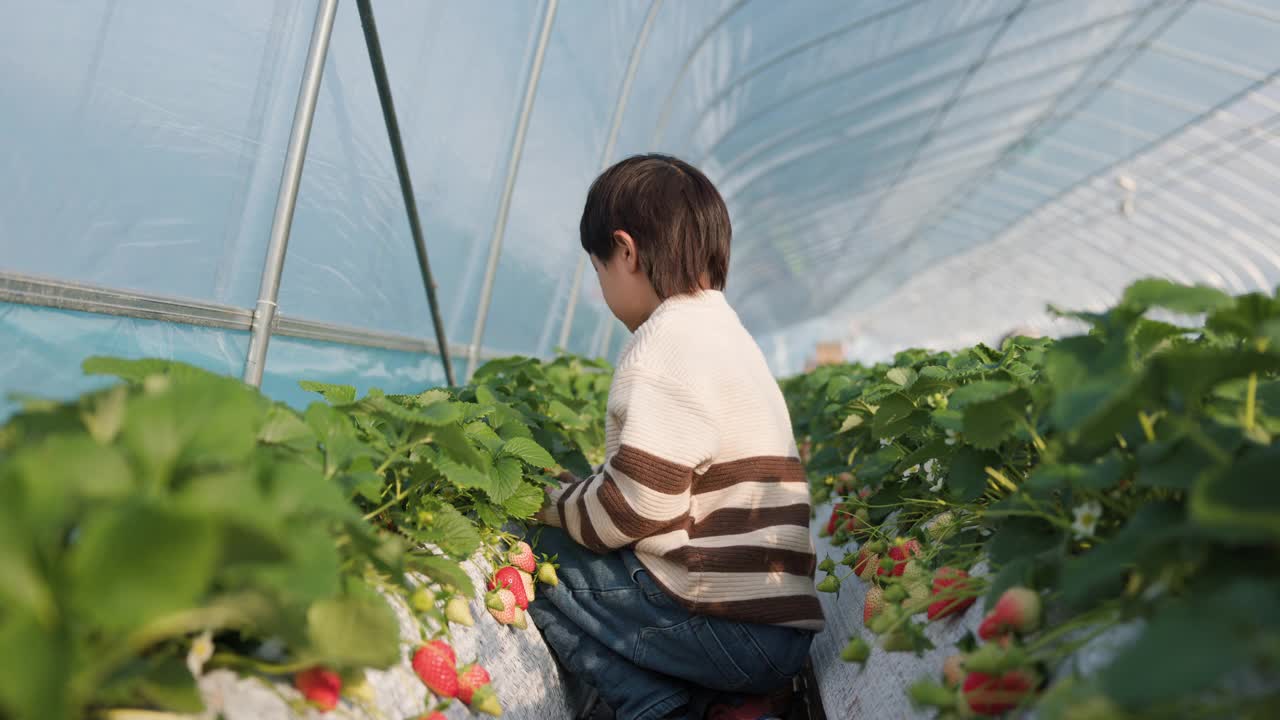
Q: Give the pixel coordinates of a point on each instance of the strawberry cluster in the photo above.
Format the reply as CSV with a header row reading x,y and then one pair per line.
x,y
999,675
437,666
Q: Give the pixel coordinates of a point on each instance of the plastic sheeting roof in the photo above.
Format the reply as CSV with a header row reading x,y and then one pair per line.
x,y
906,172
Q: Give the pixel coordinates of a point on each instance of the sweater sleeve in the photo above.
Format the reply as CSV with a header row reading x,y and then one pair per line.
x,y
664,435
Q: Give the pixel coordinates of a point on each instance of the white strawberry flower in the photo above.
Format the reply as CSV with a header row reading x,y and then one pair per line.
x,y
1086,519
914,469
884,442
200,652
932,476
951,437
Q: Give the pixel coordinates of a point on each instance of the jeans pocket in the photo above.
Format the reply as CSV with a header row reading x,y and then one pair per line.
x,y
691,651
783,649
655,594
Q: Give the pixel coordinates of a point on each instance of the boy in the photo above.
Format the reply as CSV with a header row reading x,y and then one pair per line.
x,y
686,563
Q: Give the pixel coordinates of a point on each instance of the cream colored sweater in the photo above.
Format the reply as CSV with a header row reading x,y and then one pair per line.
x,y
702,477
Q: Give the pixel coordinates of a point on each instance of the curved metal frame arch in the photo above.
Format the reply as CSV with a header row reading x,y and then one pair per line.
x,y
943,112
664,116
838,138
606,155
833,244
762,236
1174,209
701,113
853,231
1048,116
838,184
854,72
1077,231
513,169
819,206
1073,226
1197,154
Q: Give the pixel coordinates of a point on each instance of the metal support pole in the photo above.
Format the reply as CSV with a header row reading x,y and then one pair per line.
x,y
264,313
513,168
607,338
606,156
374,45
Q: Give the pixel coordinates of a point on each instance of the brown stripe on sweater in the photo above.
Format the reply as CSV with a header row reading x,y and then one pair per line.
x,y
624,517
735,521
756,469
744,559
590,538
565,492
766,611
652,471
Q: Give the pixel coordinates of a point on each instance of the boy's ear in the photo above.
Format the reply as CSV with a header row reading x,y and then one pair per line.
x,y
624,249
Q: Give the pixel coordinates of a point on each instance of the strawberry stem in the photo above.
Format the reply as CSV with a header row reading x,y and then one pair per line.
x,y
1251,401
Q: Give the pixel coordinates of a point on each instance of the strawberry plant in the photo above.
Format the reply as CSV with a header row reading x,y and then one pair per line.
x,y
140,516
562,402
1124,476
180,521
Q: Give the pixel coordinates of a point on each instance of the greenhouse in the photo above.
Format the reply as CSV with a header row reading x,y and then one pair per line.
x,y
297,329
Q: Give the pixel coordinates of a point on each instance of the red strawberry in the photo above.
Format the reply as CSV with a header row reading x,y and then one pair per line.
x,y
320,686
470,679
436,666
991,695
901,552
857,524
509,578
872,604
522,557
1018,609
435,715
830,528
990,627
953,670
948,582
507,610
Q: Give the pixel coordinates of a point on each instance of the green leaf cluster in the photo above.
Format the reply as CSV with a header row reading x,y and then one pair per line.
x,y
135,518
1129,471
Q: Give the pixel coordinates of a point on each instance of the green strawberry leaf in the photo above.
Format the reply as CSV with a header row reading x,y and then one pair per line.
x,y
357,629
334,394
529,451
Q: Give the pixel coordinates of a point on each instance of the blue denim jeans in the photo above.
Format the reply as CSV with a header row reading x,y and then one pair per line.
x,y
648,657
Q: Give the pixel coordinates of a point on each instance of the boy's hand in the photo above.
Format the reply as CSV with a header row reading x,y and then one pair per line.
x,y
565,477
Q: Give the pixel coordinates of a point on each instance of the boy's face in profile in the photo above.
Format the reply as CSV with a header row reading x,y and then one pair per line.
x,y
626,289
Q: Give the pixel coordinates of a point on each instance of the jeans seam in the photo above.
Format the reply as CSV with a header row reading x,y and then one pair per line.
x,y
768,660
599,591
742,675
660,708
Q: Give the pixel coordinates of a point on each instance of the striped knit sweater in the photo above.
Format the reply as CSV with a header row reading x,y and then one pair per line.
x,y
702,477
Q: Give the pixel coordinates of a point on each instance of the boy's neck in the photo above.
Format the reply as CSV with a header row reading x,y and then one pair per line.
x,y
680,299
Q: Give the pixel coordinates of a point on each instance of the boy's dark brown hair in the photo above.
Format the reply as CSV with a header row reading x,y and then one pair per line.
x,y
675,215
